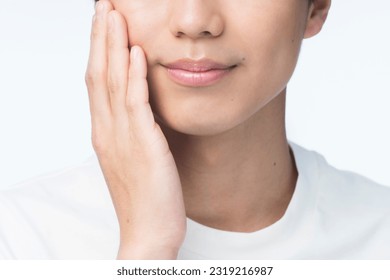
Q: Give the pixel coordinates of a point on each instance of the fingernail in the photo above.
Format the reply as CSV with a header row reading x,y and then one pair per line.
x,y
99,7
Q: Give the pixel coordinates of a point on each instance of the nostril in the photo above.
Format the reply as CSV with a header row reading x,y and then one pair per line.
x,y
205,33
201,34
179,34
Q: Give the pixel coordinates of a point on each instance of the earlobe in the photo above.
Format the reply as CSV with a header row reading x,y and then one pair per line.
x,y
318,12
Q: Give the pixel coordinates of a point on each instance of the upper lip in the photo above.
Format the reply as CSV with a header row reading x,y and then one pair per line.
x,y
202,65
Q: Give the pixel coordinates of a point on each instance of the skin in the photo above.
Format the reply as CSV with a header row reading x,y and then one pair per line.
x,y
218,154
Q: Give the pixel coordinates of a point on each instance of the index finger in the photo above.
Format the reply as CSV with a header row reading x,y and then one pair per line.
x,y
96,74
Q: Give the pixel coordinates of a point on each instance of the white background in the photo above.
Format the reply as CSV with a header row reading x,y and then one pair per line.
x,y
338,100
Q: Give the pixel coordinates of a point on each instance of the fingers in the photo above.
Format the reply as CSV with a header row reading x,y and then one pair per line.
x,y
137,99
96,74
118,63
117,85
127,84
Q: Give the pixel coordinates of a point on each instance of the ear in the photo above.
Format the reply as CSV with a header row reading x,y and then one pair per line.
x,y
318,12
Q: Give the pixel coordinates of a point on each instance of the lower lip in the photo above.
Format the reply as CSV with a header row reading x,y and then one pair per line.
x,y
198,79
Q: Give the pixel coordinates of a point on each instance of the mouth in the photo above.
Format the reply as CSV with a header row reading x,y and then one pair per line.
x,y
197,73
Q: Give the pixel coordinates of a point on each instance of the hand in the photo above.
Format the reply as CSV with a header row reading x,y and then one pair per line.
x,y
133,153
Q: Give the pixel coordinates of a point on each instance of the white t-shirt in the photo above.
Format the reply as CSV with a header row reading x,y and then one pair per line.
x,y
333,214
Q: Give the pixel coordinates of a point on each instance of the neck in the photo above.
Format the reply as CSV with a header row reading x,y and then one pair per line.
x,y
239,180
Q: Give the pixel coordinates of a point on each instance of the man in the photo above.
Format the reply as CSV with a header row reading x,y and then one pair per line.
x,y
188,127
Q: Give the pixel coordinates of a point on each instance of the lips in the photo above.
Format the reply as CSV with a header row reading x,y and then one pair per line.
x,y
197,73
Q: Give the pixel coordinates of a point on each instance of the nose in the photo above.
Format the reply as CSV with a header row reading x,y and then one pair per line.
x,y
196,19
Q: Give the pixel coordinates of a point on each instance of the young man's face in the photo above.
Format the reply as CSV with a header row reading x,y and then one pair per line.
x,y
257,42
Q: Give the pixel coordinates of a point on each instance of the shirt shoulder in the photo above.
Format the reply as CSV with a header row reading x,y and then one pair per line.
x,y
351,190
350,210
343,187
59,215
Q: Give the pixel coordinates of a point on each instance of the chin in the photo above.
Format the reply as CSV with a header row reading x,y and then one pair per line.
x,y
207,111
197,124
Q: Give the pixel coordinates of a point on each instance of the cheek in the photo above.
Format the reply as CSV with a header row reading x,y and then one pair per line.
x,y
144,20
273,50
140,31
